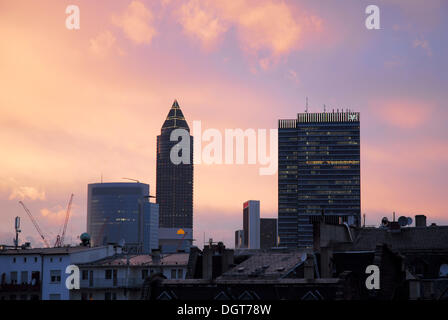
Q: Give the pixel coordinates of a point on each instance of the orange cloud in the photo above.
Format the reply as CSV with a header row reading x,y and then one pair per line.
x,y
102,43
136,22
22,193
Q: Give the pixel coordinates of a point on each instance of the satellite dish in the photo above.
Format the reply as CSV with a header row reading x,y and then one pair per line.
x,y
443,272
409,221
385,222
403,221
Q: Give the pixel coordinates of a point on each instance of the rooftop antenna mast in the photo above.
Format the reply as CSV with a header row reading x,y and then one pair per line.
x,y
325,108
306,106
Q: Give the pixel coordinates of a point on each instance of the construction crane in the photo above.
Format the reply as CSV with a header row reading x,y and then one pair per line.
x,y
60,238
35,224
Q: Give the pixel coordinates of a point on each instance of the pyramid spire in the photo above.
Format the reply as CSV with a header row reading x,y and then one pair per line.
x,y
175,118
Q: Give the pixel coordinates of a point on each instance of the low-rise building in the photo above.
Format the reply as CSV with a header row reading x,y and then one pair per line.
x,y
122,277
40,273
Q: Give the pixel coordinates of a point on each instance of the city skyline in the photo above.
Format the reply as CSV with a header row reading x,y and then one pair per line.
x,y
95,99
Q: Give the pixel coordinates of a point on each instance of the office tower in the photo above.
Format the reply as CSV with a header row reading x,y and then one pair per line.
x,y
239,239
251,224
174,186
120,213
319,173
268,233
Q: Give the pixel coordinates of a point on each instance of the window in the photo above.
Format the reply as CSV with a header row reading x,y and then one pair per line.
x,y
180,274
85,275
144,273
35,259
51,259
13,277
173,273
24,260
55,276
108,274
13,260
24,277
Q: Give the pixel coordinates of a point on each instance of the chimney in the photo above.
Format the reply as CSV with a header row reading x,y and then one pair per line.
x,y
309,267
420,220
155,256
207,262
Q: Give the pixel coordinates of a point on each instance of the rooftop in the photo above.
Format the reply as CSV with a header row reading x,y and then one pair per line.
x,y
44,251
175,118
142,260
267,265
406,239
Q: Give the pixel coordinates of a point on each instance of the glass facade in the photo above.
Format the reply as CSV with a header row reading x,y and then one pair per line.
x,y
174,181
113,213
318,174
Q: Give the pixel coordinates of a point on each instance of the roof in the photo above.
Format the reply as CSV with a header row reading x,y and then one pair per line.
x,y
267,265
175,118
407,239
44,251
142,260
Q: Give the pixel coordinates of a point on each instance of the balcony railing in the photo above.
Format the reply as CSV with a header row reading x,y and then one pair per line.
x,y
111,283
19,287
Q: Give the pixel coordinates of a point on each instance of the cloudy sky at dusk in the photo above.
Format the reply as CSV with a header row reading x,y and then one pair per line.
x,y
78,104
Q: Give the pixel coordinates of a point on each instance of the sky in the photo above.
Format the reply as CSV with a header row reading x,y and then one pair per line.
x,y
78,105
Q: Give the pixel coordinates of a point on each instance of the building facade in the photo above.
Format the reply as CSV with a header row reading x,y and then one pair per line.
x,y
251,224
239,239
121,213
174,182
121,277
319,173
268,233
40,273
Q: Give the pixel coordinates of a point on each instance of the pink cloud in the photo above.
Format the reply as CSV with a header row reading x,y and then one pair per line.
x,y
406,114
202,23
266,30
136,22
423,44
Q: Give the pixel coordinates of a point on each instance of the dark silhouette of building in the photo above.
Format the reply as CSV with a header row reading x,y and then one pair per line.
x,y
268,233
174,181
319,173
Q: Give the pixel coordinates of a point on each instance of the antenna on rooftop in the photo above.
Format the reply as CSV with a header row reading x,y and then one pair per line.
x,y
306,106
325,108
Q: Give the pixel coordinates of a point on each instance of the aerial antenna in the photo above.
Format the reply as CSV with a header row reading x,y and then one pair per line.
x,y
306,106
325,108
130,179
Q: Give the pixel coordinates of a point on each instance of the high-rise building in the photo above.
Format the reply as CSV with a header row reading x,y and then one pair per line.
x,y
174,186
121,213
251,224
268,233
319,173
239,239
